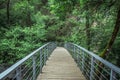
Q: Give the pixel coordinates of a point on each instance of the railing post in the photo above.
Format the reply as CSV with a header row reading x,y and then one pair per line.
x,y
34,67
78,52
92,67
41,61
73,51
44,56
65,46
49,48
18,73
111,75
83,60
47,52
78,56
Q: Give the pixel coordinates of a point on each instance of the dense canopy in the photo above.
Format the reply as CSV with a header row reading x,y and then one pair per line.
x,y
27,24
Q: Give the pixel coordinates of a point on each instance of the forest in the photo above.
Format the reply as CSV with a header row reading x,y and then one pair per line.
x,y
26,25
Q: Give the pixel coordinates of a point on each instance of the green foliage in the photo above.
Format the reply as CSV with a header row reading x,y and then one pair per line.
x,y
23,6
35,22
40,19
22,11
18,42
61,7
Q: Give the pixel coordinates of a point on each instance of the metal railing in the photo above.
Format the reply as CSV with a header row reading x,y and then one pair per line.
x,y
92,66
29,67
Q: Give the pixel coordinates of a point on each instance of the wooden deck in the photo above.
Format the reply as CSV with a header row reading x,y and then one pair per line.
x,y
61,66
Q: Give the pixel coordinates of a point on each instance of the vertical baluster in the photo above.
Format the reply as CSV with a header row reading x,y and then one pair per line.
x,y
92,68
50,48
83,60
77,52
18,73
45,54
34,67
69,47
78,56
47,51
65,46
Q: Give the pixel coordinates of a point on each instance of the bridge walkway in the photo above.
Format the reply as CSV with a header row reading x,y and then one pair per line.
x,y
60,66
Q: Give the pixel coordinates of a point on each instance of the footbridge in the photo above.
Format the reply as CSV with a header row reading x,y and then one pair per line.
x,y
70,62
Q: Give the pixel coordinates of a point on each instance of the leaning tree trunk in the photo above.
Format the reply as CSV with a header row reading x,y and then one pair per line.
x,y
113,37
109,45
8,12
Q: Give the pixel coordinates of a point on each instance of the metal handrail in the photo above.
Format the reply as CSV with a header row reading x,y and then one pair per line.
x,y
93,66
18,68
90,64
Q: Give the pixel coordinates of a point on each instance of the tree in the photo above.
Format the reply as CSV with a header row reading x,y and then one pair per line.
x,y
113,37
8,12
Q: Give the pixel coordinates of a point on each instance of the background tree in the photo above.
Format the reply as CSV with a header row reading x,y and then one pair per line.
x,y
89,23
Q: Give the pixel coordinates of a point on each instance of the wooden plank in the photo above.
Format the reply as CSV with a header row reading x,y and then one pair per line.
x,y
61,66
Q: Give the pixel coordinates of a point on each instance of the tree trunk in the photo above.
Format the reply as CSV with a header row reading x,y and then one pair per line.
x,y
44,2
113,37
8,12
28,19
88,29
28,16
